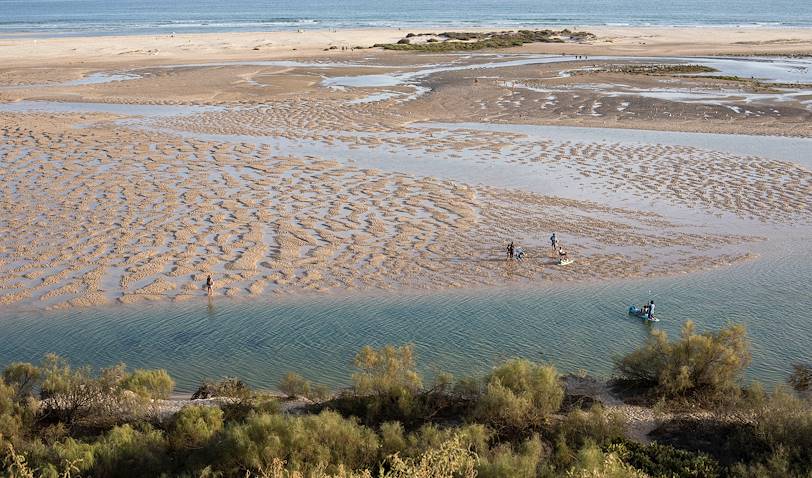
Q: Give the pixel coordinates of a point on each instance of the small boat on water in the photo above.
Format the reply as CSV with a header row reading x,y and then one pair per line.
x,y
638,312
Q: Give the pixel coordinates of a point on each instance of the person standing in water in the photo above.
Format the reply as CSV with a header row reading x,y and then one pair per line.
x,y
651,310
209,285
554,242
510,250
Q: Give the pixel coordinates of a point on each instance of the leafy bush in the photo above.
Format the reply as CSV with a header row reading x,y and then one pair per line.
x,y
305,443
61,456
801,378
504,462
75,395
125,450
388,377
450,459
22,377
658,460
228,387
10,421
386,371
193,426
155,384
519,394
785,423
593,463
294,385
706,365
595,426
475,437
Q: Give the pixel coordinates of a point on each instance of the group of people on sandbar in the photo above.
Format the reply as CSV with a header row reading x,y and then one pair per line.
x,y
518,253
558,249
514,252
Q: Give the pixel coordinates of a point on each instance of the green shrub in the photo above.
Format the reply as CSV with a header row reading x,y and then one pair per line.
x,y
801,378
193,426
519,394
504,462
393,439
388,377
658,460
593,463
475,437
708,365
319,393
775,466
385,371
125,450
79,395
595,426
22,377
155,384
10,421
305,443
294,385
228,387
69,454
450,459
785,424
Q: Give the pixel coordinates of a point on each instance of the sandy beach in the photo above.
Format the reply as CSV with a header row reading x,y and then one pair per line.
x,y
154,49
135,166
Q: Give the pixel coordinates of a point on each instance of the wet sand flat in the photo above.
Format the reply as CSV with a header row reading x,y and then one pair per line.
x,y
136,184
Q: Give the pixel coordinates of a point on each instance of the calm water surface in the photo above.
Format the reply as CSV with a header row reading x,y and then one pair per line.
x,y
574,326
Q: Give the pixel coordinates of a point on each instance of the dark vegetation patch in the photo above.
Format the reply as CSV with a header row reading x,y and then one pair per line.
x,y
660,69
456,41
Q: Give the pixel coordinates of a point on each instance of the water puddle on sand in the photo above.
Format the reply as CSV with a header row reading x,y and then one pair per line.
x,y
98,78
794,150
153,111
770,70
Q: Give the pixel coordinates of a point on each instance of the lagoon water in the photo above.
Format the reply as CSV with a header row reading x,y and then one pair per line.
x,y
575,326
92,17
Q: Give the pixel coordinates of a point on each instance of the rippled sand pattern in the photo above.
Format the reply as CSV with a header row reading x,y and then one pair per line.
x,y
103,213
746,186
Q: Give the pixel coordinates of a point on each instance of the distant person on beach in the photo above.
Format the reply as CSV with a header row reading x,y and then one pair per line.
x,y
510,250
209,285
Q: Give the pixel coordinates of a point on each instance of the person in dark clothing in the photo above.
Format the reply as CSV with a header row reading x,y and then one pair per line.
x,y
209,285
510,249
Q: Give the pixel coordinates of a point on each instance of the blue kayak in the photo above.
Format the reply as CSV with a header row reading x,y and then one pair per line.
x,y
638,312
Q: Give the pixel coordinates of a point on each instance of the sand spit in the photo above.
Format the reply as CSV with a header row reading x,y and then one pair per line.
x,y
157,49
106,213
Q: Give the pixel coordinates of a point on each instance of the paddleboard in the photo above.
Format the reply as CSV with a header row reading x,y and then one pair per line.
x,y
637,312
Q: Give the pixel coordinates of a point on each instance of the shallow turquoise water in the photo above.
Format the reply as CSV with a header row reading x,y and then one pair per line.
x,y
574,326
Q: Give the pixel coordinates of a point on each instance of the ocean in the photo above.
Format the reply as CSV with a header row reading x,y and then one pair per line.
x,y
105,17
